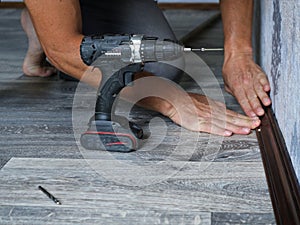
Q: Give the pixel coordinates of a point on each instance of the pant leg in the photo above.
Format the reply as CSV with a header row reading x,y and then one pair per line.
x,y
130,17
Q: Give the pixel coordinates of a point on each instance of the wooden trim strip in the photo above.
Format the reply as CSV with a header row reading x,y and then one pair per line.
x,y
281,177
12,5
198,6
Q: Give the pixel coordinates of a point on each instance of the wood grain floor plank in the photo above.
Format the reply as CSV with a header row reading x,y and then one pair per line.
x,y
243,218
102,216
223,187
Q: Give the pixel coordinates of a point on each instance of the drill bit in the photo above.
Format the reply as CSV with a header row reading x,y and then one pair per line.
x,y
55,200
203,49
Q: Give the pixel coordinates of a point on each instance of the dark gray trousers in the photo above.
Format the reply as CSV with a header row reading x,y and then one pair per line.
x,y
130,17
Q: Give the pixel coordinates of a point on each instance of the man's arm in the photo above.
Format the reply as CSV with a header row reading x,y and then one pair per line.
x,y
58,25
242,76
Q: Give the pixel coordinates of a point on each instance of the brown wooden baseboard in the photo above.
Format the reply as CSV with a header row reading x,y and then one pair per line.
x,y
198,6
6,5
282,181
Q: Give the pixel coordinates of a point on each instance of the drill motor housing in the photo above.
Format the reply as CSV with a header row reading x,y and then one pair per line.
x,y
129,48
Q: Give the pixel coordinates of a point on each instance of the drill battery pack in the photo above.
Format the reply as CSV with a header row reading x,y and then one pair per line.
x,y
112,136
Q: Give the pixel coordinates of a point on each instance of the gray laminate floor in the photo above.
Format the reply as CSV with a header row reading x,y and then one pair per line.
x,y
177,177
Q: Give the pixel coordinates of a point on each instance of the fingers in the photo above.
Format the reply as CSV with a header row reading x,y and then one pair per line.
x,y
248,83
230,126
264,82
244,101
252,96
207,115
207,127
251,100
239,120
237,123
226,122
262,88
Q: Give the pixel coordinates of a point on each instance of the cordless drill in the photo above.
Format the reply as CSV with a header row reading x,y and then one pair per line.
x,y
119,57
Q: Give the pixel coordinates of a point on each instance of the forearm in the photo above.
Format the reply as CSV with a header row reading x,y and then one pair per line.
x,y
243,78
237,23
58,26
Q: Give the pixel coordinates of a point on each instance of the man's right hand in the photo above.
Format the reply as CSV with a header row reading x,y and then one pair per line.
x,y
245,80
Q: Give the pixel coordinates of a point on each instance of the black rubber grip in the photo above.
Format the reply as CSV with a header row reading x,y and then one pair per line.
x,y
112,87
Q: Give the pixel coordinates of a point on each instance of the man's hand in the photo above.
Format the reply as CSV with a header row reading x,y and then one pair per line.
x,y
192,111
247,82
243,78
206,115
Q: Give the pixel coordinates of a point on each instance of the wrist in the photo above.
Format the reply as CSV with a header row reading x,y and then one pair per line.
x,y
157,104
237,48
237,53
168,110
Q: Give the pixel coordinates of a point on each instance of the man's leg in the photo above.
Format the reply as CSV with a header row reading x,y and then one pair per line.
x,y
35,56
130,17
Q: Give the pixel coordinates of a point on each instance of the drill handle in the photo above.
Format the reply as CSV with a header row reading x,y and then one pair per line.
x,y
110,87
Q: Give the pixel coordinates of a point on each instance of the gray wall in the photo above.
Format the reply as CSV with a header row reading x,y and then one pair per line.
x,y
280,58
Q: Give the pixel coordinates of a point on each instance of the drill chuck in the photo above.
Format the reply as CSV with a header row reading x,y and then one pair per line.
x,y
158,50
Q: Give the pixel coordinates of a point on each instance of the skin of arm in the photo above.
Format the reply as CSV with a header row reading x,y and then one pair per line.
x,y
58,26
242,76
